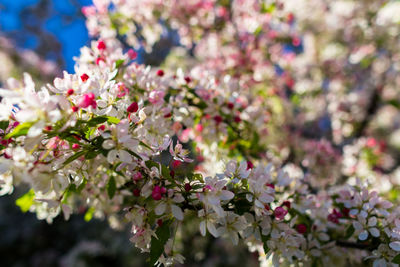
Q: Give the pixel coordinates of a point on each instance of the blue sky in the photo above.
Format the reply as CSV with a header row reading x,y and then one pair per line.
x,y
72,34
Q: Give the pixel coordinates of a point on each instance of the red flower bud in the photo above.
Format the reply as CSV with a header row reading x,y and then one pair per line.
x,y
301,228
188,187
133,107
70,91
136,192
101,45
84,77
218,119
160,73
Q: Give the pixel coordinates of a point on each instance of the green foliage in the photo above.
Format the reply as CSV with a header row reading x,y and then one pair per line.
x,y
20,130
74,157
111,187
89,214
396,259
26,201
97,120
158,243
349,231
4,125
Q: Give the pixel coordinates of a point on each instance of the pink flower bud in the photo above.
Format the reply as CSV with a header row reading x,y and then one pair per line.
x,y
156,194
75,146
163,190
87,100
132,54
280,213
137,176
199,127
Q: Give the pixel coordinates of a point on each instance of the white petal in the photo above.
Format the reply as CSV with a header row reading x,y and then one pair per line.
x,y
160,209
379,263
177,212
235,239
125,156
226,195
26,115
112,156
353,212
323,237
357,225
211,228
66,211
364,214
372,221
374,232
108,144
395,245
203,228
36,129
178,198
363,235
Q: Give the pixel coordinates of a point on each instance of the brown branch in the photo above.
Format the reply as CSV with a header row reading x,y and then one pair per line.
x,y
364,246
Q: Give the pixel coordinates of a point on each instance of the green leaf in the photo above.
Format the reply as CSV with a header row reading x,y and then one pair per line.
x,y
81,186
89,132
267,9
150,164
258,31
349,231
4,125
111,187
91,154
89,214
119,63
396,259
133,154
165,172
113,120
145,145
157,244
97,120
264,240
394,103
20,130
113,74
74,157
26,201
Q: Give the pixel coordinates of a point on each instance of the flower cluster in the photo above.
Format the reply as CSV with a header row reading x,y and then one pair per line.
x,y
284,111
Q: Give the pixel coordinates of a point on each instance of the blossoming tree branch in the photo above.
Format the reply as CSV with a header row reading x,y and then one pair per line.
x,y
274,134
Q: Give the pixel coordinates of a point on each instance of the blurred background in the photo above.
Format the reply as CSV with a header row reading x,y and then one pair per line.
x,y
42,37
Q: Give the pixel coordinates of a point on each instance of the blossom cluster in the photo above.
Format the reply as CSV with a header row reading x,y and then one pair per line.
x,y
287,115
